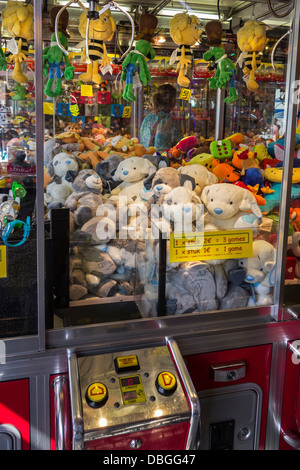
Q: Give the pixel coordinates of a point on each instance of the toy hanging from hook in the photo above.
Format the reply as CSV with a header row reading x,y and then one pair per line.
x,y
135,71
185,32
96,26
55,62
18,22
219,61
251,39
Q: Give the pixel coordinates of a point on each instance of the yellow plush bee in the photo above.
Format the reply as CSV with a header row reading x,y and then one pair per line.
x,y
18,22
100,30
251,39
185,32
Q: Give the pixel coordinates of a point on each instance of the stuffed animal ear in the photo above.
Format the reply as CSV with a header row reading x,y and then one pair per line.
x,y
152,170
196,199
271,265
51,170
247,200
148,181
71,175
117,175
187,182
255,209
204,195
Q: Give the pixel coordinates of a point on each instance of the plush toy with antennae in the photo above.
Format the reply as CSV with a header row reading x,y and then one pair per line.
x,y
135,65
223,66
100,30
54,59
251,40
185,32
18,22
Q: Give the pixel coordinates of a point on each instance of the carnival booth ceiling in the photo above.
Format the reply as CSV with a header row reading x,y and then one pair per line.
x,y
231,12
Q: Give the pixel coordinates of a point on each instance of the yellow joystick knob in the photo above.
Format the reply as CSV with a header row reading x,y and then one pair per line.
x,y
96,395
166,383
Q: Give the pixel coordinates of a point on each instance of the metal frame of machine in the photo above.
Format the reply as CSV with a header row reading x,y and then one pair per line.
x,y
47,354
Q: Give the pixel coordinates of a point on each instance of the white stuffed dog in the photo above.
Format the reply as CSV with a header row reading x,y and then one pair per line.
x,y
230,207
181,206
131,172
259,272
201,175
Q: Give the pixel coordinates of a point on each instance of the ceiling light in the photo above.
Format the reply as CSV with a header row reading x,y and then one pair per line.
x,y
204,16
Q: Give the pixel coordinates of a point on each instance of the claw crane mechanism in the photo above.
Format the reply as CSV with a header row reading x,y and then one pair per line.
x,y
93,13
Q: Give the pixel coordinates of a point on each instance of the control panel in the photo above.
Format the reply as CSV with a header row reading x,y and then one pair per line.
x,y
119,389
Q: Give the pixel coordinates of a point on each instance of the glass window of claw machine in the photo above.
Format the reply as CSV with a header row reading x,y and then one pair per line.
x,y
138,225
190,130
19,276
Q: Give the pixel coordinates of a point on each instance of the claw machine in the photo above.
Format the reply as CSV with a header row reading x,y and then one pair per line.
x,y
148,304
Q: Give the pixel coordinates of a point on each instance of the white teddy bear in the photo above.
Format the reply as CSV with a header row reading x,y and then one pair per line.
x,y
180,208
259,272
60,188
229,207
131,172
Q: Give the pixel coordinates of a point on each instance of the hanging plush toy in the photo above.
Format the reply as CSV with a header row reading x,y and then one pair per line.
x,y
3,63
55,62
223,66
18,22
134,67
251,39
185,32
100,30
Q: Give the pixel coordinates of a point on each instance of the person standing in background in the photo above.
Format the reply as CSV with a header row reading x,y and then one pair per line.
x,y
159,129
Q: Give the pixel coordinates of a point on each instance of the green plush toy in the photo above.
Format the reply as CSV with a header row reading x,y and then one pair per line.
x,y
223,66
54,61
19,93
224,72
3,62
135,67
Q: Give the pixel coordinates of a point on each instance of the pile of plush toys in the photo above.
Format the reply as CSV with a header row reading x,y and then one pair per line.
x,y
238,179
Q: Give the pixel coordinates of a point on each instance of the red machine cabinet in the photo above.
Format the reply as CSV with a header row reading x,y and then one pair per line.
x,y
14,415
290,419
217,375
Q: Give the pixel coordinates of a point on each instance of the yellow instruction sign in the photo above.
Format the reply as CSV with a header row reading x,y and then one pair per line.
x,y
3,266
48,108
185,94
126,112
204,246
86,90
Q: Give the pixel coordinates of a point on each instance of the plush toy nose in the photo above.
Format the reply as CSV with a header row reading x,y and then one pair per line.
x,y
218,211
249,278
125,172
159,188
186,209
68,162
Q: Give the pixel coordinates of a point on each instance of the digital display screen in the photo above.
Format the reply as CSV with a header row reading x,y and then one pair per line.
x,y
131,395
128,381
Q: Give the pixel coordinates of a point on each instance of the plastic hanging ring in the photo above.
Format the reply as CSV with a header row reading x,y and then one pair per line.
x,y
275,47
57,22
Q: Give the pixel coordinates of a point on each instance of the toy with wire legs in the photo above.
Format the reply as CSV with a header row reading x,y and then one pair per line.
x,y
18,22
56,63
135,63
251,40
185,32
135,66
99,30
223,66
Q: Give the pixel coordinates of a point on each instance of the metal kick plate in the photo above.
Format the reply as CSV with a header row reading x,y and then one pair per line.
x,y
101,369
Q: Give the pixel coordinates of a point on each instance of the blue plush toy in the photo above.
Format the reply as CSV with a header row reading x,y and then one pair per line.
x,y
273,199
